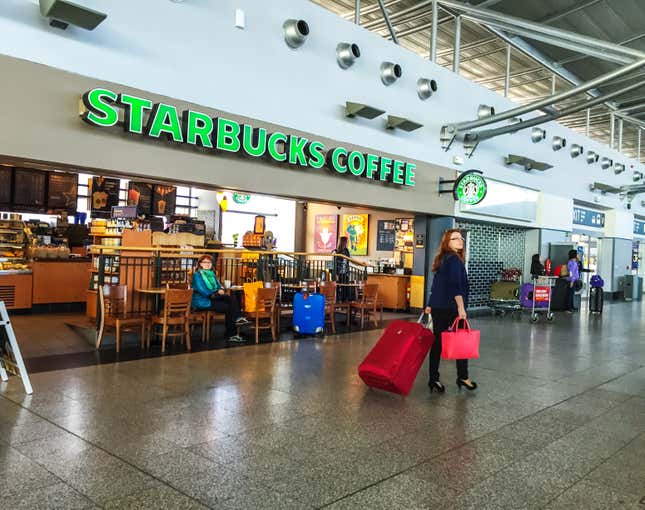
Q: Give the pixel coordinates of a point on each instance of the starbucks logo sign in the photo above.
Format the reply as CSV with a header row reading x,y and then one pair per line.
x,y
240,198
470,187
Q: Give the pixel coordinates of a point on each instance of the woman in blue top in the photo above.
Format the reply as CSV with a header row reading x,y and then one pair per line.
x,y
208,294
574,275
448,300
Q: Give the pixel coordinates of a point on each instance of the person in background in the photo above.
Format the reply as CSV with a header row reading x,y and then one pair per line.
x,y
574,276
448,301
209,294
341,266
537,269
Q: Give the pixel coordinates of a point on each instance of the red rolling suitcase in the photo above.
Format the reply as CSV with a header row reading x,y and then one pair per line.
x,y
392,365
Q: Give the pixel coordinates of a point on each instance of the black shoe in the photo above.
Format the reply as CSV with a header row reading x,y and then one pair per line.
x,y
470,386
235,338
241,321
436,386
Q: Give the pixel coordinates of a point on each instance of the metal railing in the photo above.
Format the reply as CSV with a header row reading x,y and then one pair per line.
x,y
142,268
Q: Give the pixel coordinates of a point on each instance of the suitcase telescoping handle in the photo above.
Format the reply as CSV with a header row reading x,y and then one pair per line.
x,y
455,325
427,323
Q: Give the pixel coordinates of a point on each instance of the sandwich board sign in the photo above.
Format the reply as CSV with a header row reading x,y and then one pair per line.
x,y
10,356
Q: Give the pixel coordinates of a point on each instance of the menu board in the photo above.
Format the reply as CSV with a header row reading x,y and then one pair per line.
x,y
164,199
103,195
386,230
29,189
62,191
140,194
5,184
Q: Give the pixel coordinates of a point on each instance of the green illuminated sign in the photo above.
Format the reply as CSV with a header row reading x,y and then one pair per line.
x,y
241,198
470,187
162,121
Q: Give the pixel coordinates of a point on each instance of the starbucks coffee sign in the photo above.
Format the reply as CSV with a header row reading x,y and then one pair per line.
x,y
470,187
221,135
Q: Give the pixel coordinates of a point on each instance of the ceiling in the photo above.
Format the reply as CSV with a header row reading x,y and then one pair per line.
x,y
483,54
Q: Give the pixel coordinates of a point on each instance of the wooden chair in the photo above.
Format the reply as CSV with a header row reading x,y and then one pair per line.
x,y
113,301
282,308
265,310
368,304
176,313
196,317
332,306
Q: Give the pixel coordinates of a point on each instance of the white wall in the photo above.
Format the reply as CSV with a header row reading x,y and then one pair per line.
x,y
192,51
619,224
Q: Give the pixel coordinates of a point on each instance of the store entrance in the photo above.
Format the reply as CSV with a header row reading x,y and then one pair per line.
x,y
587,247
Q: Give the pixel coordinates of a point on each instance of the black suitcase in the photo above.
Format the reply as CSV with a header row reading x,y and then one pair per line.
x,y
559,296
596,300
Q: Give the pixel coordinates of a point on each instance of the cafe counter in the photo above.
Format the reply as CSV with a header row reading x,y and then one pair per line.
x,y
393,289
45,282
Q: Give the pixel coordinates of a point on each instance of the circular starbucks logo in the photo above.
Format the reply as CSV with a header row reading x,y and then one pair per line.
x,y
470,187
240,198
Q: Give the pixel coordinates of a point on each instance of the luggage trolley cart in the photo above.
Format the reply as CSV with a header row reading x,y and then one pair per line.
x,y
504,297
542,286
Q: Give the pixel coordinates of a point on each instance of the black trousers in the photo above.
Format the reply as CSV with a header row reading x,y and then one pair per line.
x,y
228,305
441,321
570,293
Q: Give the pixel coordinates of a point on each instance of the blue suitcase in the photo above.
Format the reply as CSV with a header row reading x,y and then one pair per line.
x,y
308,313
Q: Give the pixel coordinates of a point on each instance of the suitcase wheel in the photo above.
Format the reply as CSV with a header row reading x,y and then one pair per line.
x,y
534,317
549,317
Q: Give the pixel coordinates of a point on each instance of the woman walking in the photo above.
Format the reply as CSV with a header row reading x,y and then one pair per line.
x,y
448,301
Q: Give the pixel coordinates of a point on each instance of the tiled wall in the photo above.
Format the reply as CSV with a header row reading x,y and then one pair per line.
x,y
491,248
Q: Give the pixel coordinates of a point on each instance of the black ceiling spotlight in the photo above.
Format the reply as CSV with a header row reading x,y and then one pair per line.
x,y
483,111
605,163
637,176
576,150
558,143
619,168
295,32
538,134
346,54
62,13
592,157
390,72
425,88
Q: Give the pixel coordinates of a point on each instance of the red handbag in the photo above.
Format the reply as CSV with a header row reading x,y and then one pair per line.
x,y
459,343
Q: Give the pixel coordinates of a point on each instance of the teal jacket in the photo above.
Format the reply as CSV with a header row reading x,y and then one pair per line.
x,y
201,293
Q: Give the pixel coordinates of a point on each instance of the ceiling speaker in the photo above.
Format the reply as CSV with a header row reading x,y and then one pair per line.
x,y
346,54
592,157
390,73
558,143
538,134
295,32
425,88
483,111
63,13
605,163
576,150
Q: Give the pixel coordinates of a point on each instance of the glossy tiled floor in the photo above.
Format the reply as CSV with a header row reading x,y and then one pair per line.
x,y
558,422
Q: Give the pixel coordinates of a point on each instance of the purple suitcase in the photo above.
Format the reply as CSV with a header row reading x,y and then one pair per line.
x,y
526,297
308,313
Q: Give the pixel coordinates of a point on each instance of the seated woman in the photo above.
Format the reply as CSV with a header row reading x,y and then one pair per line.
x,y
208,294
